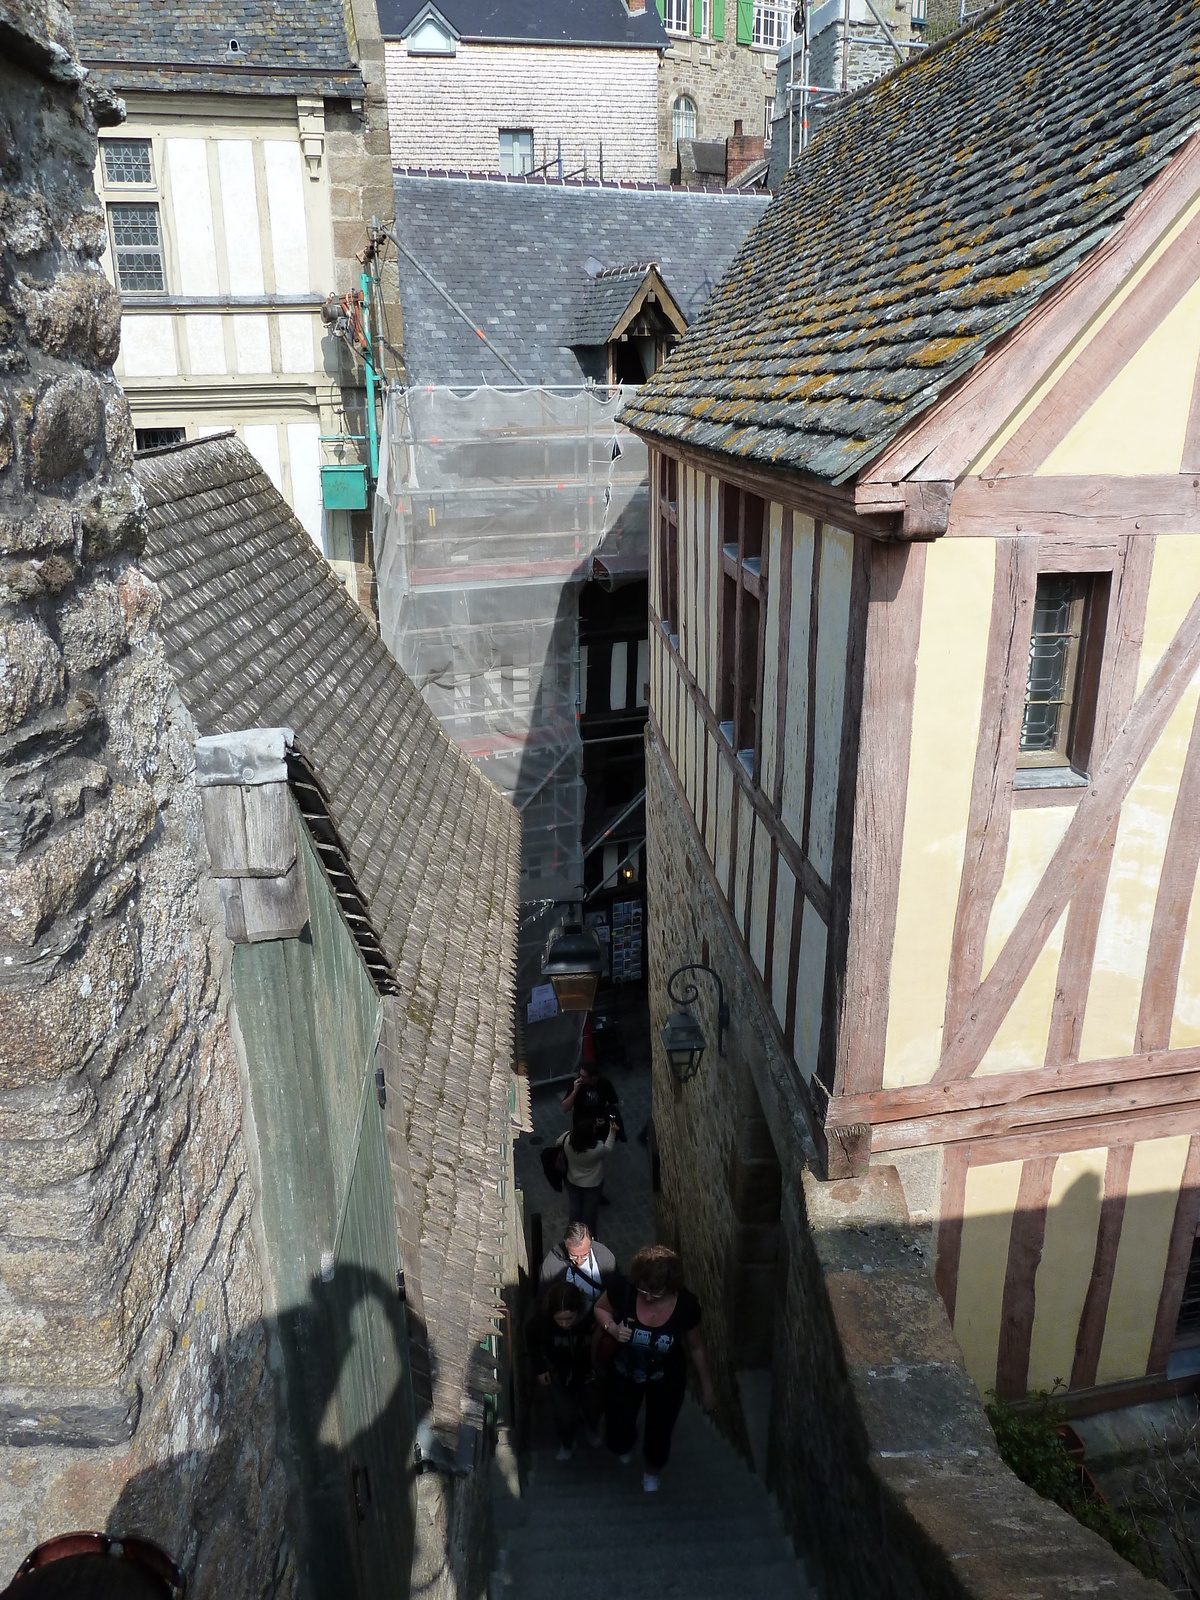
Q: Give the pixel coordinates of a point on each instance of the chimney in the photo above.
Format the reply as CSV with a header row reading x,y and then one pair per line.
x,y
741,152
635,8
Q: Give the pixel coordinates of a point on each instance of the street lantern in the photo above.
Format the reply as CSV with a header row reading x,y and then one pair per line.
x,y
572,963
683,1040
683,1037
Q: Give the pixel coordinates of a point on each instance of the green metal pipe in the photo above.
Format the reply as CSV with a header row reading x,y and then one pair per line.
x,y
364,283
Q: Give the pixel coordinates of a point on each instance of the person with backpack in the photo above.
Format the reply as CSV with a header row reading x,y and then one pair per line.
x,y
655,1323
585,1150
559,1340
583,1261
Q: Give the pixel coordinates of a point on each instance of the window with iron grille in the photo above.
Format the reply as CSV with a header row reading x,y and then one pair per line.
x,y
772,25
743,611
137,247
1066,643
156,438
127,161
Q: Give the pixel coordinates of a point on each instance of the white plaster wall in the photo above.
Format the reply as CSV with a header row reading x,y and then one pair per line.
x,y
447,111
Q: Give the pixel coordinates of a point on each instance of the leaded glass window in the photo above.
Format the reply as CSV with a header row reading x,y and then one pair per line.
x,y
137,247
1066,641
127,161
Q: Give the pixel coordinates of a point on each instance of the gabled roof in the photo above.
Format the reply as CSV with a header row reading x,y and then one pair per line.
x,y
515,256
584,22
261,634
609,301
283,46
932,212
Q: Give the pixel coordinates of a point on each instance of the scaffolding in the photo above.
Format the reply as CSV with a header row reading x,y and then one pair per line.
x,y
493,507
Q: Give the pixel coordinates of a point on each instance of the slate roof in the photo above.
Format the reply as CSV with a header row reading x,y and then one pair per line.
x,y
261,634
602,302
515,256
284,46
588,22
928,217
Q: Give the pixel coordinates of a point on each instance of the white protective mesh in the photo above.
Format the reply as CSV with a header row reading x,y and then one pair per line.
x,y
491,507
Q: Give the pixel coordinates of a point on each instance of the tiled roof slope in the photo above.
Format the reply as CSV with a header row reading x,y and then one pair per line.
x,y
261,634
515,257
926,220
591,22
284,46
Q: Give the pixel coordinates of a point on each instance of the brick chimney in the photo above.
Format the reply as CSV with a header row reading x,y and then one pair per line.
x,y
635,8
741,152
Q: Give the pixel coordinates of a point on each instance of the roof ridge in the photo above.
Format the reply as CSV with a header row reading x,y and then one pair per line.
x,y
540,181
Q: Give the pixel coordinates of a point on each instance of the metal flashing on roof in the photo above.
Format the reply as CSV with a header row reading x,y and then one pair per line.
x,y
250,756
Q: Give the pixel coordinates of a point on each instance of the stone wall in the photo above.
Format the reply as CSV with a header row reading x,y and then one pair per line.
x,y
447,111
878,1447
134,1388
725,80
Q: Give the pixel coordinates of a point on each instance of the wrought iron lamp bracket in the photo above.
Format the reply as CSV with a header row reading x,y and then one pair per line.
x,y
687,994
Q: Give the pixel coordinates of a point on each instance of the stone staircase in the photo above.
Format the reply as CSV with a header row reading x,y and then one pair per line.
x,y
585,1530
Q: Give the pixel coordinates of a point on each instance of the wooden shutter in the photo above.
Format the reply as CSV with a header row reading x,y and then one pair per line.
x,y
661,4
718,19
698,18
745,21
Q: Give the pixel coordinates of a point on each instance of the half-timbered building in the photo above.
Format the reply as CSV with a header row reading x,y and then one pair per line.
x,y
925,682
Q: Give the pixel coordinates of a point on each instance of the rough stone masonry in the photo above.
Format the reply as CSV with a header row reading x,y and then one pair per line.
x,y
134,1387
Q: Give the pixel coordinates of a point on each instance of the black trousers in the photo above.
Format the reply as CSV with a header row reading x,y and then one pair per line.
x,y
663,1397
569,1405
583,1205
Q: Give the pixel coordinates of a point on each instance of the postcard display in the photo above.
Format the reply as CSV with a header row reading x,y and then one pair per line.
x,y
626,941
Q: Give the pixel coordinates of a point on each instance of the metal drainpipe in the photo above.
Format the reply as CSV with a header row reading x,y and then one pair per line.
x,y
364,283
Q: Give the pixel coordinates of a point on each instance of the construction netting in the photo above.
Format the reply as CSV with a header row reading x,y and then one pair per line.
x,y
493,507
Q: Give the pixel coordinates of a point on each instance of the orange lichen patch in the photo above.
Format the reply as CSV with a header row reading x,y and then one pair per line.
x,y
949,279
938,351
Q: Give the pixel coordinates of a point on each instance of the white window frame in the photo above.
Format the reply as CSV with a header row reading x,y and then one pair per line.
x,y
772,25
678,114
520,160
677,17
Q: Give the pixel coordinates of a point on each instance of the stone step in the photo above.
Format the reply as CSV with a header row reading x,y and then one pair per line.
x,y
628,1575
688,1530
716,1545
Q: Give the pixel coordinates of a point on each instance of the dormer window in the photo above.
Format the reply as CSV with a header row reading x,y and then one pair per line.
x,y
431,35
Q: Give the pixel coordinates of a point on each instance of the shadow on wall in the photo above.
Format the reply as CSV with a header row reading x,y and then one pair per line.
x,y
351,1477
1069,1269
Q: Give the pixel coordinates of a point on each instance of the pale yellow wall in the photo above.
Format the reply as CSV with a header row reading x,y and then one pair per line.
x,y
785,896
1063,1274
810,988
770,694
741,867
710,820
1137,425
760,889
833,621
1154,1181
795,747
1096,324
1174,585
1020,1041
989,1202
724,820
1123,941
951,661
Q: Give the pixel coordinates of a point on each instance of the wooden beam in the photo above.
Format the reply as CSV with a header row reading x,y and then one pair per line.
x,y
1126,623
1130,1128
745,790
986,849
1083,508
1179,1256
1108,1236
1094,816
894,602
947,439
1024,1257
1176,886
1039,1085
923,508
1108,352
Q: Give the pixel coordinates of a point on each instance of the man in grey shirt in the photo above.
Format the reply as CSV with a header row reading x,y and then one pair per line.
x,y
583,1261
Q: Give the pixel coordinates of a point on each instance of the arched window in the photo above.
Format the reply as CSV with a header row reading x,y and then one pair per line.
x,y
683,119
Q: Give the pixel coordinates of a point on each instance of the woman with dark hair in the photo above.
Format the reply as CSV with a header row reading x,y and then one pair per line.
x,y
559,1336
96,1566
586,1148
652,1318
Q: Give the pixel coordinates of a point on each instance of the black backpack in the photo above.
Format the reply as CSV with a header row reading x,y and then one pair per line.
x,y
554,1165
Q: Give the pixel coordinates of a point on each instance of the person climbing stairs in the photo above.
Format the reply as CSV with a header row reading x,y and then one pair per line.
x,y
584,1529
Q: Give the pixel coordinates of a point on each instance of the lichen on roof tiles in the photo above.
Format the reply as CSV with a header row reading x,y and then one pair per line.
x,y
925,221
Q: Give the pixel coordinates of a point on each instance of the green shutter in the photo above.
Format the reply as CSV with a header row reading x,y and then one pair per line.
x,y
661,11
718,9
697,18
745,21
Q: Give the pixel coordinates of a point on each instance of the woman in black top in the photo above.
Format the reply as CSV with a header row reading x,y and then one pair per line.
x,y
654,1320
559,1336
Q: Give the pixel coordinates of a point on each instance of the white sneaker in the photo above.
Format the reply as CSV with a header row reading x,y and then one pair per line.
x,y
565,1452
650,1482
